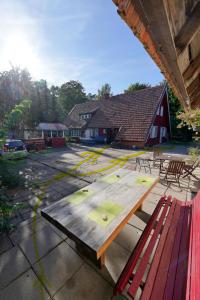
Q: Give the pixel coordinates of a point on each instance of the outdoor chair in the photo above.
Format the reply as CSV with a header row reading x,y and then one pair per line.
x,y
156,162
143,163
190,168
172,171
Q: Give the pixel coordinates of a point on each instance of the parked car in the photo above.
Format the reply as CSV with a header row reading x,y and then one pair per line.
x,y
13,149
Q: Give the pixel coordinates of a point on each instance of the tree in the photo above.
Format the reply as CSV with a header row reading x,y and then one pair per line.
x,y
70,94
15,120
15,85
91,97
175,109
136,87
104,92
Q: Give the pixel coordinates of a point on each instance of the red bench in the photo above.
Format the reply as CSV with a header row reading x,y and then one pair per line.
x,y
172,238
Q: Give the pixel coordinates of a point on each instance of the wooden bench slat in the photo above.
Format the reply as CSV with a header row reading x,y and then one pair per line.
x,y
142,267
182,260
162,256
195,266
189,262
128,270
175,270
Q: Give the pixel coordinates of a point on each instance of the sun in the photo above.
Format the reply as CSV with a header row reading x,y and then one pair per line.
x,y
18,51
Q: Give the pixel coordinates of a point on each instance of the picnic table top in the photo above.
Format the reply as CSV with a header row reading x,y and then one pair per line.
x,y
95,214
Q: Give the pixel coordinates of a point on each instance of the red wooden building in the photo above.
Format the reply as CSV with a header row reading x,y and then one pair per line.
x,y
137,119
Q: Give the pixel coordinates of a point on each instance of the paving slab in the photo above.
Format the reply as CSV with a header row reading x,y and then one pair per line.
x,y
5,243
26,287
20,233
57,267
116,259
85,284
128,237
148,208
40,243
153,198
177,192
138,220
12,264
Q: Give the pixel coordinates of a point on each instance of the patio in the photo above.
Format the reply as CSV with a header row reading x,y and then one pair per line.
x,y
40,262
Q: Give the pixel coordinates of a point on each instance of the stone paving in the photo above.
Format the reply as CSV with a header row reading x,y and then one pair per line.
x,y
37,261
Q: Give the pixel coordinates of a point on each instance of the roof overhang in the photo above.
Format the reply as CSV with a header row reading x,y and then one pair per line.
x,y
170,33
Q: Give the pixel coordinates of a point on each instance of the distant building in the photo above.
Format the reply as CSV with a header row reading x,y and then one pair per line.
x,y
49,130
137,119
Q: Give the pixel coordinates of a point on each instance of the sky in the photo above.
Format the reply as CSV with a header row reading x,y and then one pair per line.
x,y
64,40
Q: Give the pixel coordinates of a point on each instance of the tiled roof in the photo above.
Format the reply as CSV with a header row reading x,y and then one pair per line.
x,y
131,113
51,126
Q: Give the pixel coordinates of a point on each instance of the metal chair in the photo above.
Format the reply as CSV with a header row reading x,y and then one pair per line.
x,y
173,171
156,162
143,163
189,169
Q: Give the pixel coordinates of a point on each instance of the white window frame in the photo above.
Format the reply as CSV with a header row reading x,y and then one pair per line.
x,y
162,111
158,111
154,132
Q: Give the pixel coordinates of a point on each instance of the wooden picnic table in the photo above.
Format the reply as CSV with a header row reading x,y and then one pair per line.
x,y
173,157
96,214
165,156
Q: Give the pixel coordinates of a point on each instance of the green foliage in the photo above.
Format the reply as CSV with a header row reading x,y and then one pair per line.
x,y
104,92
10,175
70,94
190,118
15,118
136,87
175,109
7,210
194,152
91,97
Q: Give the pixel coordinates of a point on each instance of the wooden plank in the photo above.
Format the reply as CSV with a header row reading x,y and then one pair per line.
x,y
169,287
128,270
145,259
182,260
73,219
174,212
195,268
189,29
172,242
192,68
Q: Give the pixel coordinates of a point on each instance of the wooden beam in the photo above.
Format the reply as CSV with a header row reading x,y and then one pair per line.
x,y
192,68
189,29
195,84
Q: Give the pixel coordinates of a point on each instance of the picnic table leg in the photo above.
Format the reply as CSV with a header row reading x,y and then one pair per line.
x,y
91,256
101,261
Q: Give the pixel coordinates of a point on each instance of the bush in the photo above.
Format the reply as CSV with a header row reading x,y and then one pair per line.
x,y
194,152
7,210
10,173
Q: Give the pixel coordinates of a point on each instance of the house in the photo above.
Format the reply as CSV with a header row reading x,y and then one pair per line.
x,y
137,119
49,130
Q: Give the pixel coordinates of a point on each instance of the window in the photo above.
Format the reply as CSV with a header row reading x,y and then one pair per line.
x,y
154,132
161,111
75,132
49,133
60,133
94,132
85,116
54,133
158,111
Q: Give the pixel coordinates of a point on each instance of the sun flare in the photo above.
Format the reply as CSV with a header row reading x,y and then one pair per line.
x,y
18,51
